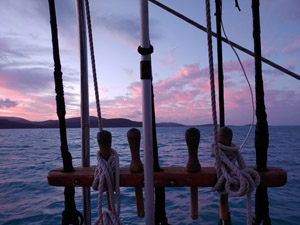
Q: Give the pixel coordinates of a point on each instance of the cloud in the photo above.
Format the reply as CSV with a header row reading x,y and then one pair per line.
x,y
184,97
283,107
135,89
129,72
7,103
293,46
290,11
267,50
125,28
26,68
32,90
29,80
176,98
134,114
170,56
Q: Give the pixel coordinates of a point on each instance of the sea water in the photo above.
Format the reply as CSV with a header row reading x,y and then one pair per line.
x,y
27,155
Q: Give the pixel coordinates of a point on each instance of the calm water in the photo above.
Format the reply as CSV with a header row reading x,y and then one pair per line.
x,y
26,156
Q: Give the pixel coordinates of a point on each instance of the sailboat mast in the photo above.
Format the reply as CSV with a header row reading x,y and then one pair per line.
x,y
146,77
84,105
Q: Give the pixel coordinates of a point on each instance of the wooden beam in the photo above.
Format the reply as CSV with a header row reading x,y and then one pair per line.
x,y
170,177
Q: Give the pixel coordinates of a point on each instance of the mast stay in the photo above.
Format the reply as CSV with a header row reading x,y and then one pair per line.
x,y
247,51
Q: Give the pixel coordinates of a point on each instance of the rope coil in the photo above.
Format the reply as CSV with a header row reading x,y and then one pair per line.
x,y
235,180
106,178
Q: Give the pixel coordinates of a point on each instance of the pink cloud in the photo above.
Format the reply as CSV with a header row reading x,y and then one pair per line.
x,y
234,66
35,98
267,50
29,106
104,90
183,98
291,64
135,89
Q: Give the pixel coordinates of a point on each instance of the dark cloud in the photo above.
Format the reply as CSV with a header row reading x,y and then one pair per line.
x,y
7,103
127,27
16,53
27,80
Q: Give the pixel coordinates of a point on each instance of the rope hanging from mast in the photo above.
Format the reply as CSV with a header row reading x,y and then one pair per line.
x,y
60,101
261,130
220,62
107,175
237,181
70,214
92,53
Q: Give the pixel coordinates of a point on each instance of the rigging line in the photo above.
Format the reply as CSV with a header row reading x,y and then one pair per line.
x,y
218,15
246,77
92,53
195,24
237,5
59,89
212,84
70,214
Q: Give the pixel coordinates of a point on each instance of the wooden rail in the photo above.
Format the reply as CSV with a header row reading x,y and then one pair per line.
x,y
170,177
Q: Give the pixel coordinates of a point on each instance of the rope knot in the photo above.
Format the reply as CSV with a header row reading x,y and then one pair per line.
x,y
234,177
106,178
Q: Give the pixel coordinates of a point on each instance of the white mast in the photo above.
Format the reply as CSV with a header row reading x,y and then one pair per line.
x,y
146,77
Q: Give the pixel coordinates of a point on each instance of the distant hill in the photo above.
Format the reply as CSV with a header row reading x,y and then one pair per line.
x,y
16,123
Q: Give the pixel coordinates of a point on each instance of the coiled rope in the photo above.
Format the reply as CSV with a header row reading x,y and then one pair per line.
x,y
107,179
236,180
239,181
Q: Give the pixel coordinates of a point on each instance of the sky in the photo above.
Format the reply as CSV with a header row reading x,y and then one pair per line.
x,y
179,62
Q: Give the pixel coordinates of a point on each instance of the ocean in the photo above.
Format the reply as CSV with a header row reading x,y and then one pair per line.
x,y
27,155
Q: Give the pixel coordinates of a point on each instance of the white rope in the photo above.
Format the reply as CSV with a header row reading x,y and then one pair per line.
x,y
239,181
236,179
212,83
106,178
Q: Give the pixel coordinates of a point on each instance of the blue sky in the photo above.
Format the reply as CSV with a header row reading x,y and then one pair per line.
x,y
179,61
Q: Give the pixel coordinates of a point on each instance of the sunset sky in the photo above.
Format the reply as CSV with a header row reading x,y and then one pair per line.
x,y
179,61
